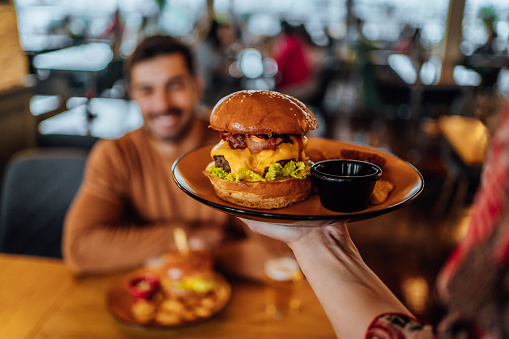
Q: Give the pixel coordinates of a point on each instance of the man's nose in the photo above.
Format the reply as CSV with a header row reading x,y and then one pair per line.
x,y
163,100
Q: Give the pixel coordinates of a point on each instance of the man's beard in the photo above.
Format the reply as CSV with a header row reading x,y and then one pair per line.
x,y
183,130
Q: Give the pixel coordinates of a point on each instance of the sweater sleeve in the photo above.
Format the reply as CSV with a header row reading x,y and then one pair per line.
x,y
98,237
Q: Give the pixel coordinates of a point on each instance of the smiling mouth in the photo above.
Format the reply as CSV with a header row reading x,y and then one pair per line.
x,y
167,119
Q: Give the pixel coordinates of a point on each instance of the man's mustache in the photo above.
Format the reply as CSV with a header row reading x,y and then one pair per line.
x,y
170,111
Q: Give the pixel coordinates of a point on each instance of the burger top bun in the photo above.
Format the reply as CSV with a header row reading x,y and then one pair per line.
x,y
262,112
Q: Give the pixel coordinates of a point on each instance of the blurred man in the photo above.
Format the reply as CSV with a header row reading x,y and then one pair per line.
x,y
129,206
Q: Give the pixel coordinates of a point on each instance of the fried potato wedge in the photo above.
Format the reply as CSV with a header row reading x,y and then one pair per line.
x,y
381,192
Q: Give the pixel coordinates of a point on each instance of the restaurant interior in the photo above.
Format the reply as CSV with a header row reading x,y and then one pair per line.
x,y
417,79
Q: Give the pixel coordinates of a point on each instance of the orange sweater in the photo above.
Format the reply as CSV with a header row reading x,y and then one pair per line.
x,y
128,205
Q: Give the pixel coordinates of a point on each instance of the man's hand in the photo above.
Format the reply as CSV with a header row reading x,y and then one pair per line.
x,y
207,237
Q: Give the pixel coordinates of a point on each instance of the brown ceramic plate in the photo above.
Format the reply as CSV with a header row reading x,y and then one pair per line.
x,y
120,303
408,181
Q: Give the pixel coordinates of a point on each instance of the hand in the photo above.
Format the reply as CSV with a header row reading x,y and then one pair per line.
x,y
206,237
293,233
284,232
332,235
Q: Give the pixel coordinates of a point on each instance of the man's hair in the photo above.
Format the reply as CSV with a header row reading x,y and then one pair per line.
x,y
157,45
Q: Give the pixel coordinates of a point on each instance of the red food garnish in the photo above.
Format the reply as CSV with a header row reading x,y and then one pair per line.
x,y
144,286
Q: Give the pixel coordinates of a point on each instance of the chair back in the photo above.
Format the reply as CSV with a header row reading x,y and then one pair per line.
x,y
37,188
82,142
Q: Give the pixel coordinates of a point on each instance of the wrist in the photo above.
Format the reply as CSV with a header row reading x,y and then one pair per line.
x,y
311,248
311,240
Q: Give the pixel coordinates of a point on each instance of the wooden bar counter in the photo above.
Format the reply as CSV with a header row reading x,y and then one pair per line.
x,y
39,298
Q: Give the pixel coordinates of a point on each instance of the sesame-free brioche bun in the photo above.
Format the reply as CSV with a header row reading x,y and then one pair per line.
x,y
262,112
262,195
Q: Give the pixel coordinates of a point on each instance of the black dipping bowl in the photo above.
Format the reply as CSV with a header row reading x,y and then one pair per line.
x,y
345,185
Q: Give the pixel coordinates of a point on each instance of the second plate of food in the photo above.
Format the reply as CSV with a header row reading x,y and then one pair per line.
x,y
172,304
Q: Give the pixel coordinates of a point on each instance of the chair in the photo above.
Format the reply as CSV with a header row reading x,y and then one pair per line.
x,y
37,188
460,184
83,142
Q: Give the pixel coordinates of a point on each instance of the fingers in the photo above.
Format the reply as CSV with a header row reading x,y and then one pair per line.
x,y
290,223
264,228
282,232
253,224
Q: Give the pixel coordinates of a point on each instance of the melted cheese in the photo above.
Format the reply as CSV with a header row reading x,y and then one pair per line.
x,y
242,158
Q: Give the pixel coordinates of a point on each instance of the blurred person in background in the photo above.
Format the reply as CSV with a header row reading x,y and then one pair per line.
x,y
291,52
472,283
215,55
128,206
483,58
114,32
411,45
487,60
71,26
365,71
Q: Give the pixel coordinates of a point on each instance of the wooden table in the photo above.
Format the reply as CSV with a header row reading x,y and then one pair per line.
x,y
39,298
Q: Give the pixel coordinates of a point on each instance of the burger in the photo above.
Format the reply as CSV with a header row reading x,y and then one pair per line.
x,y
260,161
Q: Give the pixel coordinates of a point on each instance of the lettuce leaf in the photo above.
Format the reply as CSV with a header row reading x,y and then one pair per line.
x,y
275,171
248,175
221,173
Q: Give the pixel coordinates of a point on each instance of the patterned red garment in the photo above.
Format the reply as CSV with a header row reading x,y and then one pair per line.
x,y
398,326
292,60
490,203
477,272
476,276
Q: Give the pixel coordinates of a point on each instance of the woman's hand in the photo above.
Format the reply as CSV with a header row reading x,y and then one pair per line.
x,y
333,233
284,232
292,232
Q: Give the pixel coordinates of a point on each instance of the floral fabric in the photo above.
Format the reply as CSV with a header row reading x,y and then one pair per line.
x,y
398,326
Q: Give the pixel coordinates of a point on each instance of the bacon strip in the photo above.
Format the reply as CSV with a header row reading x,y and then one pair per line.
x,y
260,142
256,144
235,141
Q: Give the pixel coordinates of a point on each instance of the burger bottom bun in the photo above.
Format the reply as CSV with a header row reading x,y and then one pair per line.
x,y
262,195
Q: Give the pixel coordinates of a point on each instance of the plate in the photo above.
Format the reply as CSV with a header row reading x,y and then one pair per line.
x,y
408,182
120,303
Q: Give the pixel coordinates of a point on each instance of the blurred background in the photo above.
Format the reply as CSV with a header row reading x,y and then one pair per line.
x,y
416,78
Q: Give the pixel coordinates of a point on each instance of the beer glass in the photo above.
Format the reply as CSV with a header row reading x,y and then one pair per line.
x,y
282,278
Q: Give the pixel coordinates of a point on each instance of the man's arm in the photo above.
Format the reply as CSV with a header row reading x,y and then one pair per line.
x,y
101,232
96,241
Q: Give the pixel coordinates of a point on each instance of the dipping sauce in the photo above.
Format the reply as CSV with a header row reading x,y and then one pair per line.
x,y
345,185
144,286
